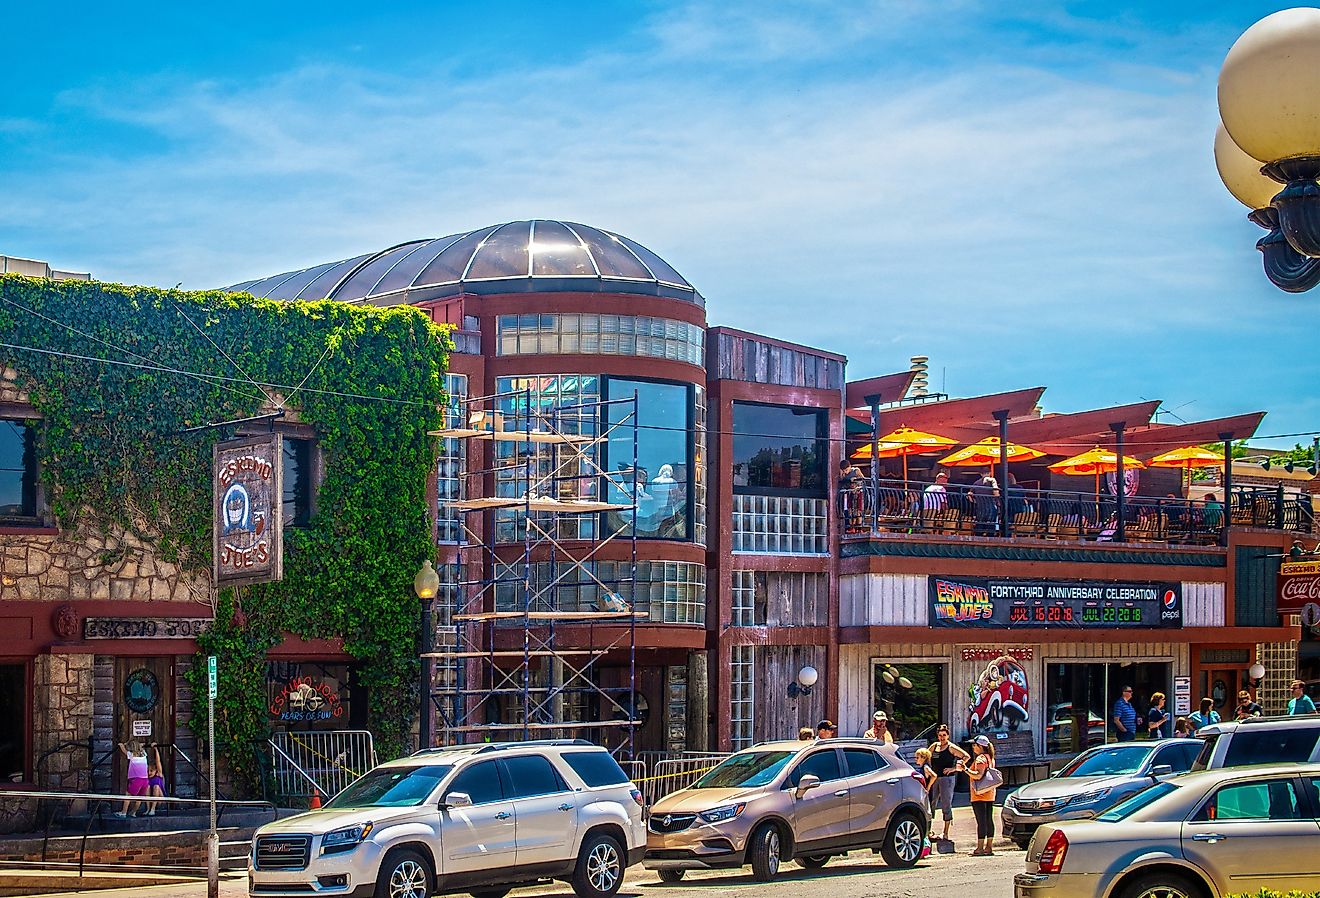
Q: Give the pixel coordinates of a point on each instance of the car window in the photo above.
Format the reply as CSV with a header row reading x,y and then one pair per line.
x,y
863,760
1179,757
1276,745
747,768
480,781
392,787
822,764
597,768
532,775
1109,760
1265,800
1207,752
1130,806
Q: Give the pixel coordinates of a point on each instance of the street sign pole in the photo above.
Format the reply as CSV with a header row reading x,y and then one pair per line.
x,y
212,837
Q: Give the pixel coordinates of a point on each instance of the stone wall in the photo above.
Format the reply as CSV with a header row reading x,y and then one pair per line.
x,y
62,713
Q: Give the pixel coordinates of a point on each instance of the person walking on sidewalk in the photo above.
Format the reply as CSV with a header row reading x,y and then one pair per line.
x,y
985,782
945,755
1300,703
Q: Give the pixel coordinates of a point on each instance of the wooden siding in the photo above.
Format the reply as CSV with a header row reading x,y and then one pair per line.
x,y
883,600
1203,604
786,598
777,716
742,358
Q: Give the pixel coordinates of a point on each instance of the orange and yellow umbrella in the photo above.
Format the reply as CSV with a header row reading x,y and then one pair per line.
x,y
904,442
1188,457
1095,461
986,453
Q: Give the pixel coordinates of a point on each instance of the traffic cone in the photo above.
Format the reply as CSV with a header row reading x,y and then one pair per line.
x,y
316,799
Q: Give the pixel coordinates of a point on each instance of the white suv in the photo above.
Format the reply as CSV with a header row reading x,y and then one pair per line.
x,y
1259,740
479,818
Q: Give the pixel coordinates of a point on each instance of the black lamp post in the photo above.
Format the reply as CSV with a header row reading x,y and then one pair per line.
x,y
426,584
1268,147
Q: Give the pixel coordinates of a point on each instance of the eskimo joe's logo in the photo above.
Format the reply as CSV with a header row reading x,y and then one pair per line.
x,y
961,602
246,481
303,699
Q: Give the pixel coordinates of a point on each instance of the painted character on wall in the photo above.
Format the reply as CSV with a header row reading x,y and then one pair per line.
x,y
999,698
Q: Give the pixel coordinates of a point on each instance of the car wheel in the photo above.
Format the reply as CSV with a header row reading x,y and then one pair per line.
x,y
404,874
764,853
599,870
671,875
815,862
1162,885
902,845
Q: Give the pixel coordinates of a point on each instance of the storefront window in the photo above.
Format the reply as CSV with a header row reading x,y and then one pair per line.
x,y
779,451
1081,697
912,695
311,695
13,697
664,457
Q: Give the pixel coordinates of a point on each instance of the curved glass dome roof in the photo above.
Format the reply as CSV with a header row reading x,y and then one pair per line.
x,y
517,257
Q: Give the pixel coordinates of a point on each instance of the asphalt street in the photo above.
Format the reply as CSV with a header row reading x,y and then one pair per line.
x,y
859,875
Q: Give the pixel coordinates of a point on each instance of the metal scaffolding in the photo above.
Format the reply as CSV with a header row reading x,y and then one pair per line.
x,y
565,479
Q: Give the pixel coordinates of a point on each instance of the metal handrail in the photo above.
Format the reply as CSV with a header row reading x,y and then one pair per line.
x,y
98,799
201,774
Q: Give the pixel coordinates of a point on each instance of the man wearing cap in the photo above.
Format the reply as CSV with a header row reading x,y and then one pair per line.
x,y
879,730
826,729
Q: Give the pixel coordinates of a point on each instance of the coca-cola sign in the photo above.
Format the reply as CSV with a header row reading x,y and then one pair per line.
x,y
1299,583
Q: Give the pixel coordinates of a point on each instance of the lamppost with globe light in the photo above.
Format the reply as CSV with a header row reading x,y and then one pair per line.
x,y
426,584
1268,147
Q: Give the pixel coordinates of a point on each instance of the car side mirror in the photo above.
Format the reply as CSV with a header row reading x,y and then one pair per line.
x,y
456,800
806,784
1162,770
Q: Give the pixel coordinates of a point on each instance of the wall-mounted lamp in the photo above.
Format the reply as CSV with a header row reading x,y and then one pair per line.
x,y
806,678
1256,673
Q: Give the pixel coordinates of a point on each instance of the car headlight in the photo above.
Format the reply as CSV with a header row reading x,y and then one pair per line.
x,y
1090,797
346,838
719,815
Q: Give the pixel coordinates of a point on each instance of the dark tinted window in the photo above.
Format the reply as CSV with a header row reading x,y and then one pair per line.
x,y
13,703
823,764
597,768
18,470
533,775
779,450
481,781
297,480
861,760
1190,751
1179,757
1290,745
1202,761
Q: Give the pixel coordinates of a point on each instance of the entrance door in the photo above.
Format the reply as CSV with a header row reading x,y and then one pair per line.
x,y
1221,684
144,710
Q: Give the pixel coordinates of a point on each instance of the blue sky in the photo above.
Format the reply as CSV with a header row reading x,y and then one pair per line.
x,y
1026,196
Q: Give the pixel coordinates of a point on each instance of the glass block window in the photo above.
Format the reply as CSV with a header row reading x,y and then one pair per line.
x,y
635,335
780,525
671,592
565,401
744,598
742,709
449,467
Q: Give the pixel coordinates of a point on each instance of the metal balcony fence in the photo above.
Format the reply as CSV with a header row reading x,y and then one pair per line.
x,y
896,506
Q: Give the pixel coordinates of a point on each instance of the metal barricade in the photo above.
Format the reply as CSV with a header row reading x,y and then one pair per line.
x,y
325,761
672,774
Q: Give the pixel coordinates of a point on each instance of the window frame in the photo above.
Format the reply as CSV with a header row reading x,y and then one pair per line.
x,y
822,439
30,477
606,386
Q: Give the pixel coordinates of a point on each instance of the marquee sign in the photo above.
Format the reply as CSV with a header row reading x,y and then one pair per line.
x,y
246,510
1006,604
1299,583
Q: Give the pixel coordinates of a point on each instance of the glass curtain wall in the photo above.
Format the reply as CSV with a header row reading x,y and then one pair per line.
x,y
779,451
1081,696
664,458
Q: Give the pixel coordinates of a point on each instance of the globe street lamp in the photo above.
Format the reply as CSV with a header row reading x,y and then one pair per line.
x,y
1269,103
426,584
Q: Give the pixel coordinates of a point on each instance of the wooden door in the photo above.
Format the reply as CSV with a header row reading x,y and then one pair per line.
x,y
1221,684
144,710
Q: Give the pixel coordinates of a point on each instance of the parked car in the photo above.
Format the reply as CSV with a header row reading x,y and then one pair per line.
x,y
806,801
1059,724
1259,740
1200,835
1092,783
481,818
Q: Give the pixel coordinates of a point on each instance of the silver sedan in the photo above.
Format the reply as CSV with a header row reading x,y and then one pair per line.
x,y
1093,782
1202,835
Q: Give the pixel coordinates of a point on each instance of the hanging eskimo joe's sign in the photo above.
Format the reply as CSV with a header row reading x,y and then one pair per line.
x,y
1001,603
246,510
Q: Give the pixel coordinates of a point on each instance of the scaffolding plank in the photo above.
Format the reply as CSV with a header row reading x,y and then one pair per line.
x,y
552,615
566,725
458,433
487,502
538,653
537,436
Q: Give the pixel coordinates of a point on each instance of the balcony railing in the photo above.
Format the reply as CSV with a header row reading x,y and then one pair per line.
x,y
912,507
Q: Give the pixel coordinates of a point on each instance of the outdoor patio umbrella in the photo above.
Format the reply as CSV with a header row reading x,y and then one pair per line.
x,y
1095,461
904,442
986,453
1188,457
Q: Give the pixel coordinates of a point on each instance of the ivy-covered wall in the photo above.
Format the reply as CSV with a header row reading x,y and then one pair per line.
x,y
118,372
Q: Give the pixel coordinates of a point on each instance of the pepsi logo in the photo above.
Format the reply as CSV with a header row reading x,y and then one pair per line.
x,y
1170,599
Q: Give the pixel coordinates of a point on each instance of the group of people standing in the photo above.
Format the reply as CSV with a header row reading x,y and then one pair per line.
x,y
939,766
1156,722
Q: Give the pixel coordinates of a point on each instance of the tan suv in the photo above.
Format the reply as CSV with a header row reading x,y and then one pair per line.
x,y
471,818
805,801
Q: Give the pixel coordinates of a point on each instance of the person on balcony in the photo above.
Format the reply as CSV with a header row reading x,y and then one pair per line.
x,y
1212,514
936,496
851,479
